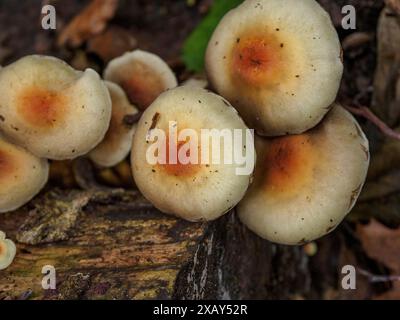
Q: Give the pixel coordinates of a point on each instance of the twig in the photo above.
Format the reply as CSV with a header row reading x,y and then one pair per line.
x,y
378,278
369,115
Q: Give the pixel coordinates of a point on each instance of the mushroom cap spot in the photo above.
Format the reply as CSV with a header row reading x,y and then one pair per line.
x,y
269,63
42,108
305,185
117,142
256,61
180,169
198,191
22,175
288,164
143,76
51,109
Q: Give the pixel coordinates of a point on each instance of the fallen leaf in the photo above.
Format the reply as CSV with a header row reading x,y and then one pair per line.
x,y
91,21
394,5
356,39
112,43
381,244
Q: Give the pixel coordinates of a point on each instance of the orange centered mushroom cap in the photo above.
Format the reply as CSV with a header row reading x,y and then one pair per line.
x,y
174,166
304,185
51,109
22,175
143,76
41,108
142,84
180,181
288,164
268,61
256,61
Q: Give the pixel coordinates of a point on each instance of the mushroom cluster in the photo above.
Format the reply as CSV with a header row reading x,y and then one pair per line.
x,y
281,70
48,110
273,69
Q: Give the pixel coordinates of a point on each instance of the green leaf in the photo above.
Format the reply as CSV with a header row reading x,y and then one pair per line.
x,y
195,45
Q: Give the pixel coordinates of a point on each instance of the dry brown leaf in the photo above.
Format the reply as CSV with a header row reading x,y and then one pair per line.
x,y
381,244
112,43
356,39
394,5
91,21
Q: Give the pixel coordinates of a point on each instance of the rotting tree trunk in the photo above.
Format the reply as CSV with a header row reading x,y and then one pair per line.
x,y
115,245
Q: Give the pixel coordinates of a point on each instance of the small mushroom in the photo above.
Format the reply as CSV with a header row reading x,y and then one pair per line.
x,y
200,188
143,76
304,185
198,82
22,175
117,142
278,62
51,109
7,251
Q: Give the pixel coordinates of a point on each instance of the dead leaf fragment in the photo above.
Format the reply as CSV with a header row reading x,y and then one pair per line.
x,y
356,39
394,5
91,21
112,43
381,244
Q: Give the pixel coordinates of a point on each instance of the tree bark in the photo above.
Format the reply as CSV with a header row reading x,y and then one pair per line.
x,y
112,244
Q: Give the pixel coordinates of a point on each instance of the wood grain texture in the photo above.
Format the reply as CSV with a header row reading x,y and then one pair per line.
x,y
112,244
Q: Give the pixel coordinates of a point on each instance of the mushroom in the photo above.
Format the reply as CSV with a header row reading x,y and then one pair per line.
x,y
198,82
199,187
143,76
304,185
278,62
22,175
7,251
118,139
51,109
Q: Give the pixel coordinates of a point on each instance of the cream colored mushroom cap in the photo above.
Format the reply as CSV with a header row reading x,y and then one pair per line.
x,y
143,76
52,110
7,251
22,175
117,142
278,62
203,190
304,185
